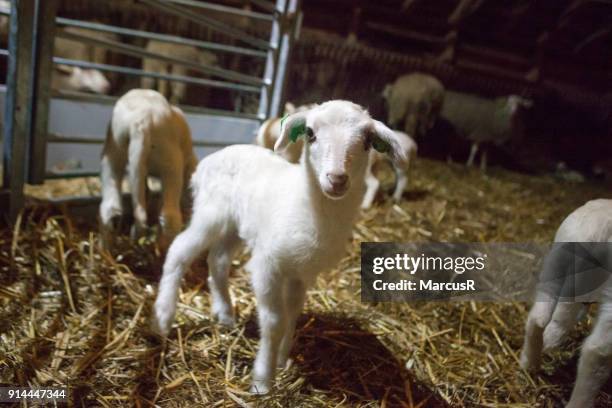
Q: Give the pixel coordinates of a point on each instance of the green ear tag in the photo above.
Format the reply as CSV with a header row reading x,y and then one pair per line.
x,y
380,145
298,129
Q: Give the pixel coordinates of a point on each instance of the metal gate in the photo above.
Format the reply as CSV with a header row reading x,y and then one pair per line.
x,y
43,128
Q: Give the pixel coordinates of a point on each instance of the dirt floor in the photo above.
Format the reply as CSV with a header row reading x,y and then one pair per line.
x,y
75,316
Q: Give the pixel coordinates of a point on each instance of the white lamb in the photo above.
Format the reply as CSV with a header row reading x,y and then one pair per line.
x,y
296,219
550,320
269,132
81,79
401,173
152,138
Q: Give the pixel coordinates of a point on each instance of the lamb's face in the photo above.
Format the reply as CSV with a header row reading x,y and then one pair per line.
x,y
338,136
337,146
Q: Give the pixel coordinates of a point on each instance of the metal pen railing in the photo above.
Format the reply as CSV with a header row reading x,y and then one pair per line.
x,y
28,83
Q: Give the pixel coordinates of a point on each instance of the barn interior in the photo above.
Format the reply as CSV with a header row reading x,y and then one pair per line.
x,y
76,315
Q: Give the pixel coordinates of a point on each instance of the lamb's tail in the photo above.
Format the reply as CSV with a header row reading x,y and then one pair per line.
x,y
138,153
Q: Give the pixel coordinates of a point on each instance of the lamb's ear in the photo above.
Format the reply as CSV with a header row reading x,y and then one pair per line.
x,y
392,143
292,127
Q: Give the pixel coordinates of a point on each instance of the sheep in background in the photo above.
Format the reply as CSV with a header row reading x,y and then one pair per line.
x,y
550,320
69,78
150,137
414,102
269,132
176,91
291,241
81,79
401,173
483,120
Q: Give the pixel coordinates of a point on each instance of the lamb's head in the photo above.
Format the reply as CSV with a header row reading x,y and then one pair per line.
x,y
396,111
79,79
517,107
338,137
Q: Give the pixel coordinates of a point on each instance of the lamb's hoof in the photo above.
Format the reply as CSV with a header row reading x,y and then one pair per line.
x,y
225,319
284,364
260,387
552,338
160,324
527,363
137,232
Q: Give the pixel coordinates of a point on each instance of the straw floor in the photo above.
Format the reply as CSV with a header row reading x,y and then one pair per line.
x,y
75,316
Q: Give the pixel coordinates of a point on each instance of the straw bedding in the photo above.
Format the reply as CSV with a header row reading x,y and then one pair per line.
x,y
75,316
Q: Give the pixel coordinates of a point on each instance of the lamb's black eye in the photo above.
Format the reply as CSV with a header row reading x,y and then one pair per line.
x,y
310,135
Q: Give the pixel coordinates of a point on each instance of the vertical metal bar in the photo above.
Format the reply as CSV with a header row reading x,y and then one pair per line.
x,y
17,112
281,40
282,23
44,33
288,33
265,98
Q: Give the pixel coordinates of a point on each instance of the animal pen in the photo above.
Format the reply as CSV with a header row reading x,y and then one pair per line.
x,y
77,316
72,125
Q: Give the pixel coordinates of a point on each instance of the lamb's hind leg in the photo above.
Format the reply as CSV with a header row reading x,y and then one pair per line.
x,y
219,263
473,151
564,318
171,218
595,361
268,287
187,246
111,177
295,294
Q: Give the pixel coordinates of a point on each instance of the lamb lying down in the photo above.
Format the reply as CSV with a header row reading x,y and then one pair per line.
x,y
296,219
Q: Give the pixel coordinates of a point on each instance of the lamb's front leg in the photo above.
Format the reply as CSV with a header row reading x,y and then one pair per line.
x,y
295,294
268,288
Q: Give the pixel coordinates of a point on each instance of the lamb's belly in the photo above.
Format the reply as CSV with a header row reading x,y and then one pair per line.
x,y
307,263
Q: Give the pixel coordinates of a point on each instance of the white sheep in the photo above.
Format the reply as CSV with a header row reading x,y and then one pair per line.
x,y
376,159
269,132
296,219
176,91
150,137
414,102
70,78
483,120
550,320
81,79
67,77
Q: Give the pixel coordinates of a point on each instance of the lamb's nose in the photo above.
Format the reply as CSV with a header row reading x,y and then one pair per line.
x,y
338,180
